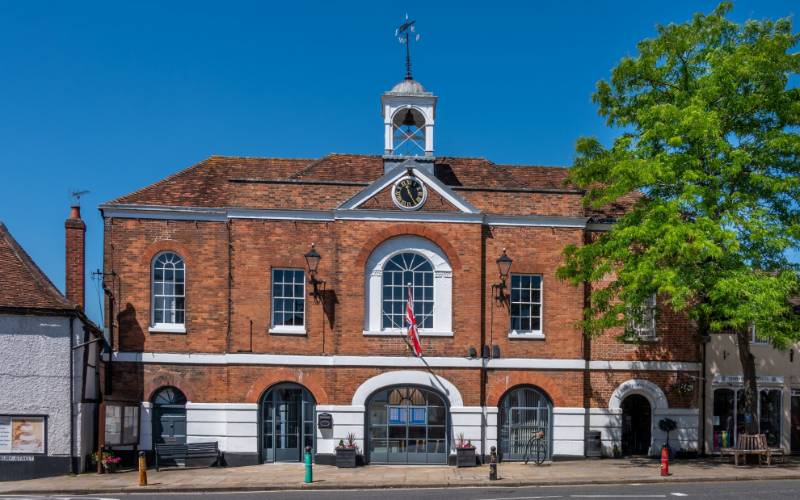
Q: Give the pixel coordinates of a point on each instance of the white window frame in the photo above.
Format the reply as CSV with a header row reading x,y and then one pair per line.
x,y
646,332
442,286
286,329
166,327
527,334
754,338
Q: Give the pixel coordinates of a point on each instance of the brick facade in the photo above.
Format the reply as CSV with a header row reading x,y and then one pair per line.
x,y
235,230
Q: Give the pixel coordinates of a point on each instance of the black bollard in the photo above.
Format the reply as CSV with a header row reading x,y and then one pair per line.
x,y
493,464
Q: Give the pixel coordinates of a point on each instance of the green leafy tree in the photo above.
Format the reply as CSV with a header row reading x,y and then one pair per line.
x,y
708,121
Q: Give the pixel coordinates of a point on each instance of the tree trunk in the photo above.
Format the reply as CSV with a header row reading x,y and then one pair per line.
x,y
749,374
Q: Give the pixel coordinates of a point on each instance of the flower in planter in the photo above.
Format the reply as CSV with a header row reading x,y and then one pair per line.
x,y
463,444
350,444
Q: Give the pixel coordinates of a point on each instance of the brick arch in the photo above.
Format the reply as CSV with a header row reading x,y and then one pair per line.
x,y
278,375
162,380
406,230
157,247
548,386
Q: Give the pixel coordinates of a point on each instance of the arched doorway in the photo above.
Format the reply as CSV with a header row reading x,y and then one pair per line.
x,y
286,413
636,425
407,425
169,416
524,411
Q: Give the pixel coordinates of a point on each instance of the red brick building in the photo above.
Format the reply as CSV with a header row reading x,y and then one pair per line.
x,y
222,333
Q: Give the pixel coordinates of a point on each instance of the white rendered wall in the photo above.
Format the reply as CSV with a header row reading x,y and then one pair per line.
x,y
34,373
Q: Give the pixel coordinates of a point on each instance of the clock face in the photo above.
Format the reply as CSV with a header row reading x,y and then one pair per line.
x,y
409,193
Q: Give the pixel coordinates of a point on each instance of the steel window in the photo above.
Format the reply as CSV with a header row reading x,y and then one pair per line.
x,y
288,297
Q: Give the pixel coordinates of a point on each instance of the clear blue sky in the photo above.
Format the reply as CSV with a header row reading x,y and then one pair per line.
x,y
111,96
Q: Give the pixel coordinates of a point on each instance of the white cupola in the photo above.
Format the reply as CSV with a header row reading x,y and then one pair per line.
x,y
409,114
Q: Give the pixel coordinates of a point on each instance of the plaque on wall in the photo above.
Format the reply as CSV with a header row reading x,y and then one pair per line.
x,y
325,421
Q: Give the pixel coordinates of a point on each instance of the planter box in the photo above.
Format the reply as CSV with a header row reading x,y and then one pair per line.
x,y
346,458
465,457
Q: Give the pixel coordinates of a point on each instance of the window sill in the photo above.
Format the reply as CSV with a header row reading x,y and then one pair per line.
x,y
398,333
167,328
642,340
287,330
526,335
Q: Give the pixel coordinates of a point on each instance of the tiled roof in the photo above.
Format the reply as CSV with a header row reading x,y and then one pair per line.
x,y
221,181
22,284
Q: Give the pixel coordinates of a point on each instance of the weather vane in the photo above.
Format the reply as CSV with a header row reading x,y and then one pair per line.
x,y
403,34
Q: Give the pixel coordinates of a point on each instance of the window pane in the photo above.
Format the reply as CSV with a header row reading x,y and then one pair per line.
x,y
277,275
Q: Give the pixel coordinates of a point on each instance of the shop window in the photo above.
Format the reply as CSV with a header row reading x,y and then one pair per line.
x,y
122,424
770,412
23,434
526,305
288,301
729,416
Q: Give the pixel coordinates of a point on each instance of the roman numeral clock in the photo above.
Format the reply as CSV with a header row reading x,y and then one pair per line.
x,y
409,193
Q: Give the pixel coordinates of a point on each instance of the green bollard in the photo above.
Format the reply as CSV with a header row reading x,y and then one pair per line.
x,y
309,469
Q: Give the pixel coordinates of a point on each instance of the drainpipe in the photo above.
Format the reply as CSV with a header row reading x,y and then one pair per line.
x,y
71,398
705,341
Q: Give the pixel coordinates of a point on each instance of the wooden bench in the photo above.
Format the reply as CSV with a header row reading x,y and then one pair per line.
x,y
186,451
753,444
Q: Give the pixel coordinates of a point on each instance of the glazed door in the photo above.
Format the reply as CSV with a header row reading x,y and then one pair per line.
x,y
288,424
287,429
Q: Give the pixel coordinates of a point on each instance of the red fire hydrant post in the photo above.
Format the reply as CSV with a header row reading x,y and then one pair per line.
x,y
664,461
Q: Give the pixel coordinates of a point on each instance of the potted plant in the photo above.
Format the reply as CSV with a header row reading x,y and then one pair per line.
x,y
668,425
347,452
109,461
465,452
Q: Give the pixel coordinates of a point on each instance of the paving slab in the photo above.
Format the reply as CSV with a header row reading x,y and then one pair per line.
x,y
290,476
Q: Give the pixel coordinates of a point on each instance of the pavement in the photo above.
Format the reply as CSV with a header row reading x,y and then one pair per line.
x,y
269,477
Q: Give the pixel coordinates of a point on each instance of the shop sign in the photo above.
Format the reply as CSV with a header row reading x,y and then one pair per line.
x,y
16,458
739,379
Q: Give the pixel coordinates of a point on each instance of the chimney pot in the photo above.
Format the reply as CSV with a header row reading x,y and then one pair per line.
x,y
75,212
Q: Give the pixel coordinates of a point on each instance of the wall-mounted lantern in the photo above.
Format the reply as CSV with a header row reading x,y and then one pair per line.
x,y
504,267
312,261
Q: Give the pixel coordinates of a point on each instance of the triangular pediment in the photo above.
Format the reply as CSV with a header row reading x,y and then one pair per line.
x,y
379,195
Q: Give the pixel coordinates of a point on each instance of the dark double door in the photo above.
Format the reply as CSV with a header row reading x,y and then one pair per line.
x,y
287,423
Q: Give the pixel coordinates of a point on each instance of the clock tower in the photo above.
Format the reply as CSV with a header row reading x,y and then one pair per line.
x,y
408,112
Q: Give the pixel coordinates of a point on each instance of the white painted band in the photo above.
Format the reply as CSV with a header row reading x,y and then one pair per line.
x,y
396,361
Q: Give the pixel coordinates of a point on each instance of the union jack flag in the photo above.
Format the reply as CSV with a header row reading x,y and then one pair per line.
x,y
413,333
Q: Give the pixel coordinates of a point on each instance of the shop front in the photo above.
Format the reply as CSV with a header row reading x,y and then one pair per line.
x,y
729,419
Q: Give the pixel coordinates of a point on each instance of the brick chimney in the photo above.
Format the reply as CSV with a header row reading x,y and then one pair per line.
x,y
76,257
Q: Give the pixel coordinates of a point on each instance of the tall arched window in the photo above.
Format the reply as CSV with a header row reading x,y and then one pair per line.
x,y
403,271
392,266
169,290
